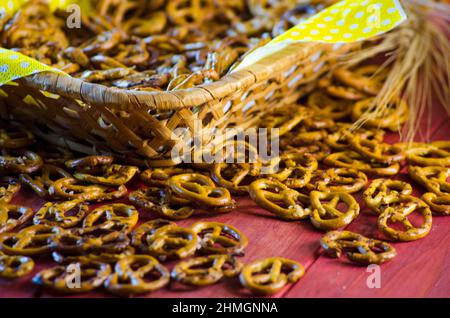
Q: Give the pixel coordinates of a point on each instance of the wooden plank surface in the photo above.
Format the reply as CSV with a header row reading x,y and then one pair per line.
x,y
422,268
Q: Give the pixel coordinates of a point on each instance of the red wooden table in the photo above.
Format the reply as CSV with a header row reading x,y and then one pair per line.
x,y
421,269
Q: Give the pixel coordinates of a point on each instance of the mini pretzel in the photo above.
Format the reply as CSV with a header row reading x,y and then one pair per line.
x,y
325,105
358,248
92,240
353,160
382,192
299,167
437,204
92,256
33,240
394,116
435,154
341,180
137,274
200,190
338,90
89,163
172,242
108,216
410,232
8,188
433,178
92,276
12,267
219,238
371,149
69,189
42,182
185,12
114,175
318,150
160,201
20,161
362,79
13,216
279,199
207,270
284,118
268,276
158,177
15,138
63,214
326,216
338,138
142,232
235,177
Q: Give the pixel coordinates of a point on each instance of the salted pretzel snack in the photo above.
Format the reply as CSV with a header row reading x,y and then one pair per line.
x,y
433,178
158,177
142,232
436,153
365,78
409,231
382,192
96,256
272,195
268,276
438,204
113,175
32,240
358,248
376,151
89,163
8,188
206,270
42,181
327,106
201,191
13,216
161,202
234,177
12,267
19,161
339,136
137,274
339,90
338,180
219,238
92,276
326,215
112,215
64,214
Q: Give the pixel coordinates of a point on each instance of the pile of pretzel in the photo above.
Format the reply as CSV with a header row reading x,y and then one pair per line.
x,y
152,45
323,163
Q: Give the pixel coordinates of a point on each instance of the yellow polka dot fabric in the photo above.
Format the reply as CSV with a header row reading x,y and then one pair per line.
x,y
347,21
14,65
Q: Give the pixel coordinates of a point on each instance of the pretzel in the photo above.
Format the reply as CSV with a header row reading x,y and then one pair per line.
x,y
13,216
19,161
438,204
206,270
68,188
114,175
92,276
234,177
353,160
325,105
63,214
171,242
284,118
358,248
8,188
392,118
339,180
327,216
33,240
42,182
279,199
363,79
268,276
382,192
338,137
410,232
12,267
337,90
142,232
433,178
435,154
111,215
298,169
318,150
158,177
201,191
137,274
14,138
185,12
92,256
219,238
373,150
89,163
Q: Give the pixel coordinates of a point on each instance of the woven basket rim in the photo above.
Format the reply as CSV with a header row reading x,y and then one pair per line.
x,y
124,99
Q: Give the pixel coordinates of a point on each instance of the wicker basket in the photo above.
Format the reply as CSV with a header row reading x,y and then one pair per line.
x,y
92,118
